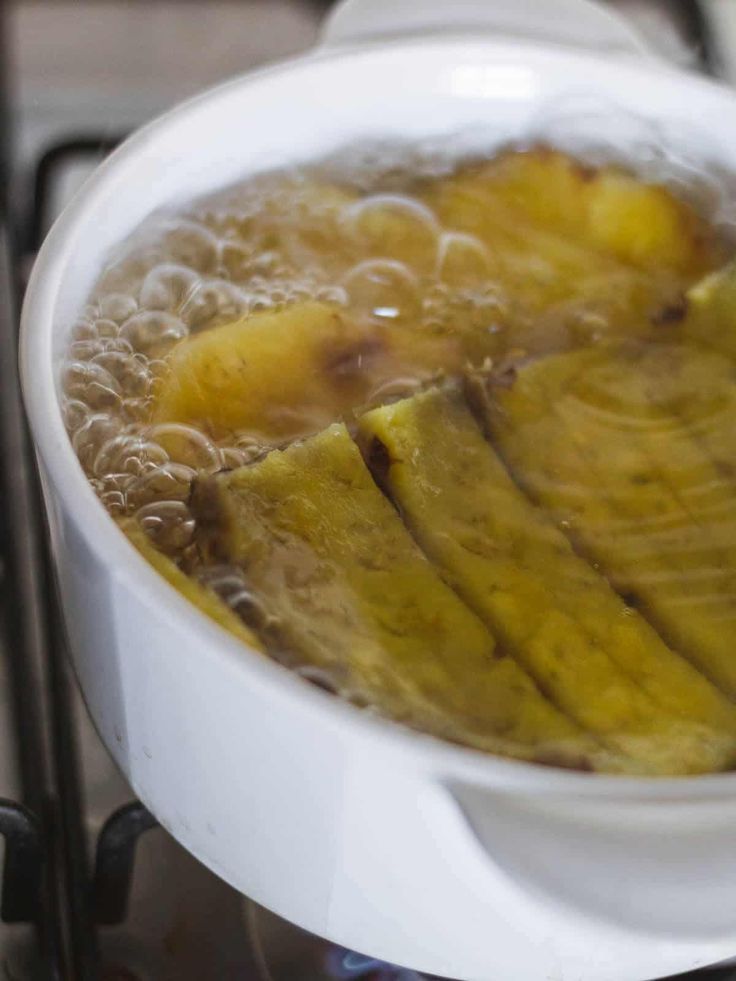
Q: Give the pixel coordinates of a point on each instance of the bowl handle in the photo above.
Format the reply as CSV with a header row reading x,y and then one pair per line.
x,y
577,23
665,869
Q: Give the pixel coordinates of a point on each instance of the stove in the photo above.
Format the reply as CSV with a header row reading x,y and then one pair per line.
x,y
92,889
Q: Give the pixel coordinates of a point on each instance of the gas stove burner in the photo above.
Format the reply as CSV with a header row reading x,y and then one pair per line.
x,y
346,965
287,953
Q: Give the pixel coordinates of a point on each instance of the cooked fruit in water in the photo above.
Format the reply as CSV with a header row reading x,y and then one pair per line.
x,y
454,442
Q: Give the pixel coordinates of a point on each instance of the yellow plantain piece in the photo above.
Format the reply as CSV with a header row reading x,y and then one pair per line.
x,y
350,593
597,659
606,208
711,311
682,397
204,599
583,253
589,438
313,356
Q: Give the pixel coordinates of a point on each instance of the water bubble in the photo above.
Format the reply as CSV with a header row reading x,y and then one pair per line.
x,y
84,330
187,445
169,524
167,286
336,295
394,226
213,302
191,245
237,260
92,384
76,414
92,434
131,375
85,350
384,290
106,327
169,482
129,453
232,458
117,307
112,490
137,410
115,344
153,332
251,447
462,260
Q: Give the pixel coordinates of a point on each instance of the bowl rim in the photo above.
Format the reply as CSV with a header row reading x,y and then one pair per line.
x,y
128,568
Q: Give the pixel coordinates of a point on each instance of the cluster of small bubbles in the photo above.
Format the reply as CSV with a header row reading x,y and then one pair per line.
x,y
169,482
447,308
174,278
230,584
249,447
112,491
129,453
153,332
389,166
213,302
169,524
92,384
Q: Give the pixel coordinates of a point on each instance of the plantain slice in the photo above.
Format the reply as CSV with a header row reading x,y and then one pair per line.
x,y
348,592
318,360
605,208
585,252
204,599
584,434
711,310
599,660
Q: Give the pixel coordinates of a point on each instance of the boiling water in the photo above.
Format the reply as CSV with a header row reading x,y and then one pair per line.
x,y
356,233
260,247
271,242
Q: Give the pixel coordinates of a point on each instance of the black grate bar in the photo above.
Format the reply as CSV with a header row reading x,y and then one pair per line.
x,y
22,869
115,859
53,159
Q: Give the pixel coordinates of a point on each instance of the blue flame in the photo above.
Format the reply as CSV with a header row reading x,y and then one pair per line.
x,y
346,965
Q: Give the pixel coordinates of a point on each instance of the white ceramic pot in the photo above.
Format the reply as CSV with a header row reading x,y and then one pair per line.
x,y
384,840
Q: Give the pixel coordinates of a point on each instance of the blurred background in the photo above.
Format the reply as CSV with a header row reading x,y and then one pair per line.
x,y
104,66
